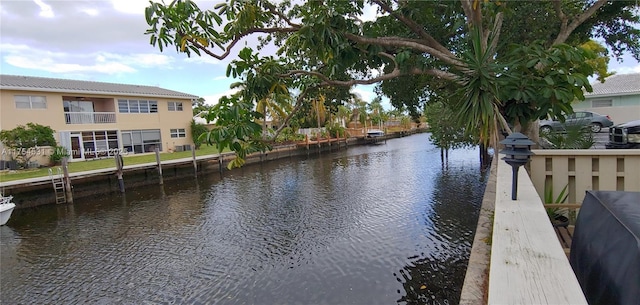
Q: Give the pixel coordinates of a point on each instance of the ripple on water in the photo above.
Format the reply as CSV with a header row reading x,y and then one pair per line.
x,y
368,225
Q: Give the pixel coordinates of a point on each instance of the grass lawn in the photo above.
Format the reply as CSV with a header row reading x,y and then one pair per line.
x,y
82,166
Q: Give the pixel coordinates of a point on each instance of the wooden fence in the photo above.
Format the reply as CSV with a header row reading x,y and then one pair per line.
x,y
585,169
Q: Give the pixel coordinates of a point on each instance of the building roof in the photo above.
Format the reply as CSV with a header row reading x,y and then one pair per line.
x,y
32,83
199,119
618,84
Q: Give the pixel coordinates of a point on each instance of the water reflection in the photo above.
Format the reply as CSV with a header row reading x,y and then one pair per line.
x,y
369,225
436,277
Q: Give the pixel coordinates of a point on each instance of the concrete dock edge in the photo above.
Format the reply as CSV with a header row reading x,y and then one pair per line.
x,y
476,280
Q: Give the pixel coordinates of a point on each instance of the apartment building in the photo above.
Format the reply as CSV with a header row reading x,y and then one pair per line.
x,y
97,119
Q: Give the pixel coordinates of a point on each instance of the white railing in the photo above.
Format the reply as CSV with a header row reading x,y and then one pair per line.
x,y
90,117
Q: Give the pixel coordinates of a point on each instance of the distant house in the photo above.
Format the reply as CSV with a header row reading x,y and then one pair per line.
x,y
618,97
200,119
97,119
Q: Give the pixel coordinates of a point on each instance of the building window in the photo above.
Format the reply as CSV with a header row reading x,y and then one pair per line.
x,y
175,106
137,106
178,133
30,102
601,103
101,143
141,141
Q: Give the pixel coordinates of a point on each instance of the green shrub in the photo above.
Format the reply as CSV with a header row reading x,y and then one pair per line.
x,y
58,153
335,130
288,134
197,130
573,137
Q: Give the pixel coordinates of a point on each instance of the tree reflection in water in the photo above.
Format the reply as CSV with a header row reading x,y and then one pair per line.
x,y
438,278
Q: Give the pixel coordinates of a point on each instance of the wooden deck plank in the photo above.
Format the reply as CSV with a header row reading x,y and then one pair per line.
x,y
631,173
538,176
528,265
584,180
607,175
560,168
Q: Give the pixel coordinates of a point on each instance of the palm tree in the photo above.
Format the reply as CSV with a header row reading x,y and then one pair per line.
x,y
275,106
377,111
363,115
318,110
343,114
355,105
477,100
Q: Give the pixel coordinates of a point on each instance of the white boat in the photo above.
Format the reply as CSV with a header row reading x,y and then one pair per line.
x,y
6,207
374,133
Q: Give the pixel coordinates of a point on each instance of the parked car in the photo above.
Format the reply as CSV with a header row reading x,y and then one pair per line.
x,y
590,119
625,135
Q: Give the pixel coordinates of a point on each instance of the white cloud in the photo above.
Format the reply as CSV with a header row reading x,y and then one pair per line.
x,y
150,60
45,9
90,11
221,77
146,60
367,95
628,69
130,6
365,92
369,13
13,48
23,56
213,99
51,65
204,59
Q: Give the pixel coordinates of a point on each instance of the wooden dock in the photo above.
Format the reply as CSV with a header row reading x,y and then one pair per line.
x,y
326,142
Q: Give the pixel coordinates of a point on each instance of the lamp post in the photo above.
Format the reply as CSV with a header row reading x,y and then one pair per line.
x,y
518,151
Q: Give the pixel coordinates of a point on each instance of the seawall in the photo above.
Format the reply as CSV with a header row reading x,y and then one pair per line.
x,y
39,191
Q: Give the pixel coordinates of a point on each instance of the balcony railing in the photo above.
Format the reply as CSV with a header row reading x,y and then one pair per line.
x,y
90,117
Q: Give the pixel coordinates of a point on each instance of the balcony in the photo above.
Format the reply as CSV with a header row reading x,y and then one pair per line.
x,y
90,117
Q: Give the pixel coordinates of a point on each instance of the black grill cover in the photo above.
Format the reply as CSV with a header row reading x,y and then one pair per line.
x,y
605,250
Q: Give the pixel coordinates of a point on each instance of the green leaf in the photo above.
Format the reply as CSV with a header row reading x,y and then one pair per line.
x,y
549,80
531,63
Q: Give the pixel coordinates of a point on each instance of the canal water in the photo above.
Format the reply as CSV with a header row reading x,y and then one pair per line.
x,y
376,224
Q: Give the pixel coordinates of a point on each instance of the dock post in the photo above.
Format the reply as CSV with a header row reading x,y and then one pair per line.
x,y
67,180
346,143
306,139
159,165
195,164
119,167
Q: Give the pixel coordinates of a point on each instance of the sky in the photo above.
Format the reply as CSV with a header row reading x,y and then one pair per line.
x,y
104,41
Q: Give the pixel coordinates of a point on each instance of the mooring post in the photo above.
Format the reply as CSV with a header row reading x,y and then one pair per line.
x,y
119,167
306,140
67,179
220,162
195,164
163,194
346,140
159,165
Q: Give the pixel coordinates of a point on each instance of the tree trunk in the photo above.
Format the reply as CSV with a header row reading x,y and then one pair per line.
x,y
531,130
485,158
